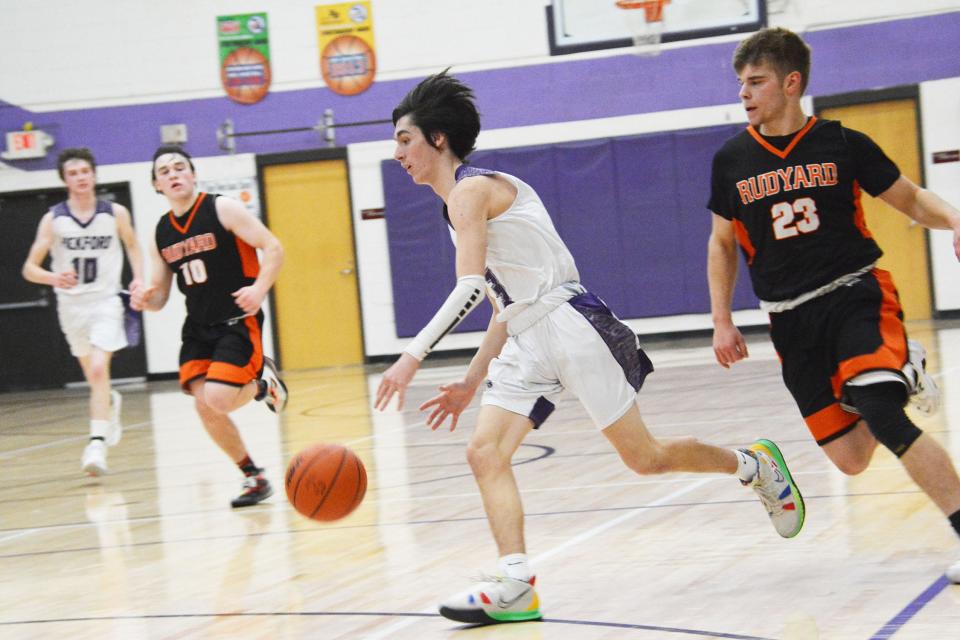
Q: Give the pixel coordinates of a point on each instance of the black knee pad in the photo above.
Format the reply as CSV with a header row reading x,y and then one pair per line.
x,y
881,406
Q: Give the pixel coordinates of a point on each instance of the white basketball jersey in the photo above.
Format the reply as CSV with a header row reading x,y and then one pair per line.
x,y
526,259
92,250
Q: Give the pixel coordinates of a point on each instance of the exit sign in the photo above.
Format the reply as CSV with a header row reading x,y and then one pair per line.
x,y
26,144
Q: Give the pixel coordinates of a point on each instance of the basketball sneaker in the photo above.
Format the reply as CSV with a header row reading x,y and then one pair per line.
x,y
924,393
275,396
492,600
94,460
953,572
775,486
255,489
115,432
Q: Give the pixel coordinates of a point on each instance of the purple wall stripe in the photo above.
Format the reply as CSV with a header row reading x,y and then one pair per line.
x,y
855,58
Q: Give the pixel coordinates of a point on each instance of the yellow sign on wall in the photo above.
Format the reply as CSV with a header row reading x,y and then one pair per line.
x,y
348,60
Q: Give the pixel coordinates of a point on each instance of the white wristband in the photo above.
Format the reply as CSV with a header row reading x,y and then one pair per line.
x,y
462,300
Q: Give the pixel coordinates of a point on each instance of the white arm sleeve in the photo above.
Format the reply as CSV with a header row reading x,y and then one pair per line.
x,y
462,300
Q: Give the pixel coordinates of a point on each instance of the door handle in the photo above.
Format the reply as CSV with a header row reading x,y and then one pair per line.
x,y
346,271
33,304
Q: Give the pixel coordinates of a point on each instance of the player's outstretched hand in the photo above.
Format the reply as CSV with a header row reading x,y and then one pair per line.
x,y
728,345
395,380
452,400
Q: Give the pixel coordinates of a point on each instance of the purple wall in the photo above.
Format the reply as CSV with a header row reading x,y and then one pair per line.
x,y
851,59
632,211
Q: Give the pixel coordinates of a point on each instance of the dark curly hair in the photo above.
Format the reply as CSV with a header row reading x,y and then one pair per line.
x,y
75,153
781,48
443,104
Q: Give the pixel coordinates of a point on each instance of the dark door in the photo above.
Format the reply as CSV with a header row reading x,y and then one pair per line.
x,y
33,352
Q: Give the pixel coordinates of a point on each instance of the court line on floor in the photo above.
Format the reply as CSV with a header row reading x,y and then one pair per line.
x,y
913,608
6,455
577,539
382,614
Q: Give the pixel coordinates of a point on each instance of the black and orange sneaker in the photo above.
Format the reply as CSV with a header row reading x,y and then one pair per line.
x,y
256,489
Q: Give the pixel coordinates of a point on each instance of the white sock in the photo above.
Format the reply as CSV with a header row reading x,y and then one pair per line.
x,y
99,428
747,466
516,566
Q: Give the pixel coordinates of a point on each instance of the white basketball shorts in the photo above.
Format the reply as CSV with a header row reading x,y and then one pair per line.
x,y
92,323
580,346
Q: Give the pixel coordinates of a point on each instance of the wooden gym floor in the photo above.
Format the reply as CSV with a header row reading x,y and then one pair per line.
x,y
153,550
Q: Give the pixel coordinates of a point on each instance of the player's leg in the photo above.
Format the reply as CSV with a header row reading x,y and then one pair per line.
x,y
198,358
245,374
223,431
510,596
877,381
600,361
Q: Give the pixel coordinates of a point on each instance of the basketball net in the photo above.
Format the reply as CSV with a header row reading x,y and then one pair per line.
x,y
645,18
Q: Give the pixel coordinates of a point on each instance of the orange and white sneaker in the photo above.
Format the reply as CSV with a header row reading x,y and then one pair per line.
x,y
776,488
923,390
494,599
276,393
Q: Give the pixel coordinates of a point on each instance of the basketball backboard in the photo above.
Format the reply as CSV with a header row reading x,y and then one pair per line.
x,y
585,25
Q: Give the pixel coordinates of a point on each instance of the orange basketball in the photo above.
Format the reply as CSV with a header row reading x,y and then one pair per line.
x,y
348,65
245,75
326,482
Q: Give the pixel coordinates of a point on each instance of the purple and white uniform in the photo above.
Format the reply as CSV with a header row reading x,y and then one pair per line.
x,y
91,313
560,335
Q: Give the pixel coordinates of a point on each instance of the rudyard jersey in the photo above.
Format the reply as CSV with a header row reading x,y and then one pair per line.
x,y
210,263
795,203
91,249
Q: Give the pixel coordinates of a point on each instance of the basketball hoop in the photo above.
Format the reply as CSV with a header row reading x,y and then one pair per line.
x,y
646,26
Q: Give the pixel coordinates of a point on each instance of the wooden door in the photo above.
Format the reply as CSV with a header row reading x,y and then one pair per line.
x,y
316,297
893,125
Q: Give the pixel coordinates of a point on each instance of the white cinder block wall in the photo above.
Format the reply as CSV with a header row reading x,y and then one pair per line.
x,y
138,52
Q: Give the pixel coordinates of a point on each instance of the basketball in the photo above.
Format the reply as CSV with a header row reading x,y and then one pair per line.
x,y
348,65
326,482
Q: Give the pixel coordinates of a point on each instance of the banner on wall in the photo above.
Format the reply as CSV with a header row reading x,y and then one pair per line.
x,y
244,56
348,60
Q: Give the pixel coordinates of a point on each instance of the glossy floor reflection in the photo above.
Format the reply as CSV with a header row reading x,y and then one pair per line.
x,y
153,550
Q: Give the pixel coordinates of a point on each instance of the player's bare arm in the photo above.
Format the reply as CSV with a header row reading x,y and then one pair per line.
x,y
455,397
924,206
468,207
728,343
130,243
153,296
33,270
235,218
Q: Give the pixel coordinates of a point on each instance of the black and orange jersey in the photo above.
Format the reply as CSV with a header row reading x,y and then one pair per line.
x,y
795,203
210,262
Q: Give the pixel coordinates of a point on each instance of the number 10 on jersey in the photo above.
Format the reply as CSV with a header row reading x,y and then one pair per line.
x,y
194,271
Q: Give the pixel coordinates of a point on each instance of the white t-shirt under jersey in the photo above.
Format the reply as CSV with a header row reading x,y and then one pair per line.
x,y
91,249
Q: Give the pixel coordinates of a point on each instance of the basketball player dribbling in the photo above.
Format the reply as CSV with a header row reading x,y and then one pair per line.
x,y
209,241
548,334
83,236
787,190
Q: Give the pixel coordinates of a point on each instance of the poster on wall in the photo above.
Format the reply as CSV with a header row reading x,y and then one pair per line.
x,y
242,189
244,56
348,60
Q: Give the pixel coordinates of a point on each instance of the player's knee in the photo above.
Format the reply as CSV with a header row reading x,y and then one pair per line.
x,y
852,465
485,457
881,407
648,462
97,372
